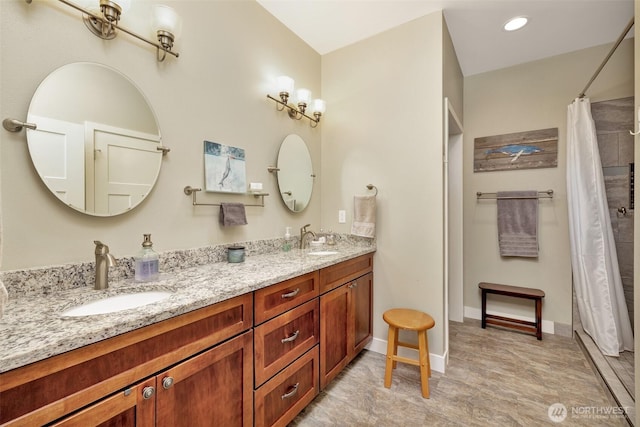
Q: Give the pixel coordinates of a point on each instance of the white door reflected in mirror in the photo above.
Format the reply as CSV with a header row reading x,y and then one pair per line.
x,y
97,143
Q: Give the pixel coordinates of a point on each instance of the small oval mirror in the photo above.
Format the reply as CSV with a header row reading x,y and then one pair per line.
x,y
96,146
295,175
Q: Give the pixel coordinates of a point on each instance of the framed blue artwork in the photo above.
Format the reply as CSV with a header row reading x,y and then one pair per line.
x,y
224,168
521,150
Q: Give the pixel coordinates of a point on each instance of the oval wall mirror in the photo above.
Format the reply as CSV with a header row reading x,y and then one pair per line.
x,y
97,146
295,174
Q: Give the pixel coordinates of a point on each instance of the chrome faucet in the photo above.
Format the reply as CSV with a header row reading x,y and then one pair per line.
x,y
104,260
303,235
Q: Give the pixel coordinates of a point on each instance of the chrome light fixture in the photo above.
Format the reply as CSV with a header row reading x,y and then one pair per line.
x,y
105,23
285,87
168,27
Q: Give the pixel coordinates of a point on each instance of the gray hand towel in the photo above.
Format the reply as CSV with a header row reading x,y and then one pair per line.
x,y
232,214
518,223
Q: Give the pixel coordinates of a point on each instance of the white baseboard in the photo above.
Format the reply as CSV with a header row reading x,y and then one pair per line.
x,y
476,313
380,346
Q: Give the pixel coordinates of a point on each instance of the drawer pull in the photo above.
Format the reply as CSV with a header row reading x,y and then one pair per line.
x,y
148,392
291,294
292,392
167,382
353,285
291,337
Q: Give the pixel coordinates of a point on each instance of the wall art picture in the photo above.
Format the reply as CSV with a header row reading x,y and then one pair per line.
x,y
224,168
521,150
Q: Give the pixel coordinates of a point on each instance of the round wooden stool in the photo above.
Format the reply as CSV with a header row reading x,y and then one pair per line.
x,y
413,320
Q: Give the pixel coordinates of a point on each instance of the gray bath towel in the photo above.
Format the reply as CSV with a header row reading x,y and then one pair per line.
x,y
518,223
232,214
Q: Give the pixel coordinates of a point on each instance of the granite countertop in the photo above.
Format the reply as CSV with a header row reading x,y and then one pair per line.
x,y
32,328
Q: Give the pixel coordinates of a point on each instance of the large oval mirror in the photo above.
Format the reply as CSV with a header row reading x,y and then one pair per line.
x,y
97,145
295,173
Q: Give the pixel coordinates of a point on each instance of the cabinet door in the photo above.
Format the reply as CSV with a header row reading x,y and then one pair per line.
x,y
134,407
334,333
362,303
214,388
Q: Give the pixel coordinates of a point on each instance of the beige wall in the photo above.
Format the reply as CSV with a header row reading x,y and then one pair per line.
x,y
386,129
230,51
528,97
453,80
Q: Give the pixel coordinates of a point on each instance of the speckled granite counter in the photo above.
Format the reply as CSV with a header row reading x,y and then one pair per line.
x,y
32,328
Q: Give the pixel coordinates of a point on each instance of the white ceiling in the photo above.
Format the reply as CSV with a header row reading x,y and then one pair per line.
x,y
555,27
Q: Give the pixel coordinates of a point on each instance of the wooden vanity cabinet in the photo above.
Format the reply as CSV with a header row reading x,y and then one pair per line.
x,y
212,388
346,322
286,349
185,346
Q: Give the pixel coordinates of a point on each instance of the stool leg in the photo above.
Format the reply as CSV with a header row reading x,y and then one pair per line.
x,y
395,346
392,343
425,366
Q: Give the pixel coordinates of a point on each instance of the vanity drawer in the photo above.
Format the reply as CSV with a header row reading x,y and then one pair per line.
x,y
280,341
339,274
276,299
279,400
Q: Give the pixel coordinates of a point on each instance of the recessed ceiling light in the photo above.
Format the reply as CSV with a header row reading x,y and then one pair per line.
x,y
515,23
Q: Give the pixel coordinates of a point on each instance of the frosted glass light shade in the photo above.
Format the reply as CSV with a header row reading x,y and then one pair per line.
x,y
303,96
285,84
125,5
166,19
92,5
319,106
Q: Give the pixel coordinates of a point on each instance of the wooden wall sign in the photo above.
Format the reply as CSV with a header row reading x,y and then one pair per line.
x,y
521,150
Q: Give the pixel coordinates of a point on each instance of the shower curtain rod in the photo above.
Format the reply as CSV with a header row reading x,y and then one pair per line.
x,y
613,49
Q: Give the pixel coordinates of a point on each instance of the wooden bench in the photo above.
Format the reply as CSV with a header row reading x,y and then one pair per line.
x,y
508,322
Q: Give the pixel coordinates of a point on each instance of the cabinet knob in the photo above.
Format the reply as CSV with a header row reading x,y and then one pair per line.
x,y
291,337
167,382
290,294
353,285
292,392
148,392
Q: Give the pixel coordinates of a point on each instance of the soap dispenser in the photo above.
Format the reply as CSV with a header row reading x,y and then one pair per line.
x,y
147,262
287,239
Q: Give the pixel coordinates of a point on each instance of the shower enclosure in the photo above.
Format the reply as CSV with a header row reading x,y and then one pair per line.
x,y
613,119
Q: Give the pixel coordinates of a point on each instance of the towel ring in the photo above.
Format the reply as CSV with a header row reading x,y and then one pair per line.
x,y
372,187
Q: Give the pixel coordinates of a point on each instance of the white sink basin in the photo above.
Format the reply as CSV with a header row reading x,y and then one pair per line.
x,y
323,253
116,303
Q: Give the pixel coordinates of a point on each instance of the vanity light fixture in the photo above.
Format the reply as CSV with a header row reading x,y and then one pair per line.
x,y
105,23
303,100
515,23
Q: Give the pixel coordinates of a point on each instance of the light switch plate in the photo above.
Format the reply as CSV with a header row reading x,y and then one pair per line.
x,y
342,216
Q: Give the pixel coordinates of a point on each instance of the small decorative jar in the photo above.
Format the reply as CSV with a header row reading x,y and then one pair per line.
x,y
235,254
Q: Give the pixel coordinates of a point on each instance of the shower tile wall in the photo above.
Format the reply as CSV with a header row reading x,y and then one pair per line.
x,y
613,120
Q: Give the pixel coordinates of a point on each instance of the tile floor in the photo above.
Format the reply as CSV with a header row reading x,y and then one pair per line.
x,y
494,377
